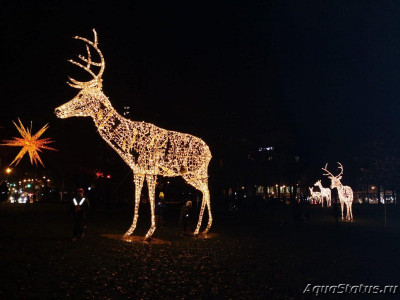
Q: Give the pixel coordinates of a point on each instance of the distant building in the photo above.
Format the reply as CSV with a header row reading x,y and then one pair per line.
x,y
369,195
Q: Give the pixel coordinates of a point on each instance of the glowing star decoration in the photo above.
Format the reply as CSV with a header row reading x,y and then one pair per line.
x,y
29,143
325,193
345,192
316,196
147,149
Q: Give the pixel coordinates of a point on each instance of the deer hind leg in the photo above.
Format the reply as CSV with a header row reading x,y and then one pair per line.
x,y
151,183
341,206
138,179
202,185
210,219
351,211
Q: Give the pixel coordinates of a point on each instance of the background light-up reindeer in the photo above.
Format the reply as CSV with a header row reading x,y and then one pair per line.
x,y
316,196
147,149
325,193
345,192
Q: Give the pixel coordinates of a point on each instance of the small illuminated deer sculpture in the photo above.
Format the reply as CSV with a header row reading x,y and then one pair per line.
x,y
325,193
316,196
345,192
147,149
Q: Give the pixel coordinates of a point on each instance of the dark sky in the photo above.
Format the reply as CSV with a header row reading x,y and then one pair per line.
x,y
322,72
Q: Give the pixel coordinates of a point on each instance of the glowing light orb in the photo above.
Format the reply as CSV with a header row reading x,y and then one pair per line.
x,y
345,192
147,149
30,144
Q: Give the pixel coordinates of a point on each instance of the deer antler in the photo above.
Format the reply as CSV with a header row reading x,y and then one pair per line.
x,y
329,174
341,170
96,81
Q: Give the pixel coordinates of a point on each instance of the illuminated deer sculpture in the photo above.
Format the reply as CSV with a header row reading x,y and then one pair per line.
x,y
315,195
345,192
325,193
147,149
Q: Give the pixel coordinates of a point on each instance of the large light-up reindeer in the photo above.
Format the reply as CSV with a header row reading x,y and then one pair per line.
x,y
316,196
147,149
325,193
345,192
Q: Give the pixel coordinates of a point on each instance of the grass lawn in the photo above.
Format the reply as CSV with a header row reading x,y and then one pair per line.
x,y
255,255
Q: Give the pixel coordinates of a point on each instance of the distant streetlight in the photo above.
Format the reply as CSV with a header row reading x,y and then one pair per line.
x,y
8,170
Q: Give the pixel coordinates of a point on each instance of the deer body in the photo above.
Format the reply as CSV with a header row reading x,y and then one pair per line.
x,y
147,149
325,193
165,152
315,195
346,197
345,192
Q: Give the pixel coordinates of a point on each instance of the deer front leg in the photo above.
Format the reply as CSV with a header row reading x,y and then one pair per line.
x,y
151,183
138,179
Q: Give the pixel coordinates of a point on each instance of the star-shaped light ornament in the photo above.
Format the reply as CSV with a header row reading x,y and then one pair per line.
x,y
29,143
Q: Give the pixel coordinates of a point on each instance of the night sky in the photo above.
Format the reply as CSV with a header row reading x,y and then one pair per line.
x,y
319,75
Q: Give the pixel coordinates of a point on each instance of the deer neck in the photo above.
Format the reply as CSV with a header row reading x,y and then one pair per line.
x,y
111,127
107,121
340,187
104,116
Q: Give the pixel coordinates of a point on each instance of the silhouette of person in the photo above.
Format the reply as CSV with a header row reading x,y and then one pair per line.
x,y
79,209
159,212
185,217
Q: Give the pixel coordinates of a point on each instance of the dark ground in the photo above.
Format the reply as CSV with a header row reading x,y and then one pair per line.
x,y
255,255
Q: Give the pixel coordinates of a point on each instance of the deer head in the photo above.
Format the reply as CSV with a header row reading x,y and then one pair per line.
x,y
318,183
335,180
90,98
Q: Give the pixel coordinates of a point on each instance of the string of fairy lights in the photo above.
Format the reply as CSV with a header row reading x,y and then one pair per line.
x,y
147,149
